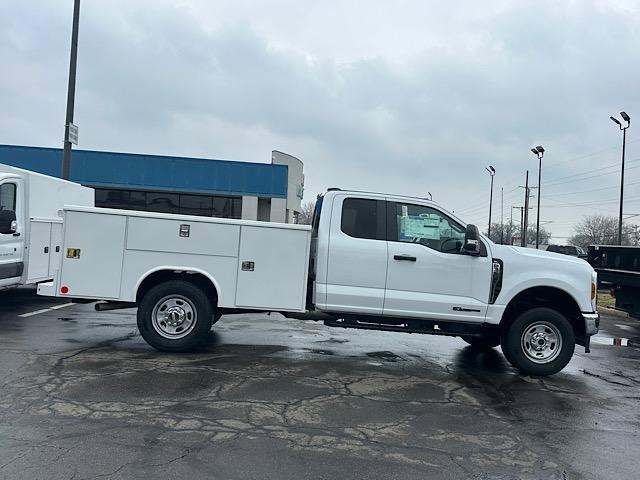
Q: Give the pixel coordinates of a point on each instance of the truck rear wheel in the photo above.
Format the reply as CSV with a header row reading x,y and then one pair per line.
x,y
540,341
174,316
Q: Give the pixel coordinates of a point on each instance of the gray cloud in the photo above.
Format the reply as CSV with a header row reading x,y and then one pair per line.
x,y
411,99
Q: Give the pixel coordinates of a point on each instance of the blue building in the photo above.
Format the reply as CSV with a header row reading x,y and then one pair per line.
x,y
195,186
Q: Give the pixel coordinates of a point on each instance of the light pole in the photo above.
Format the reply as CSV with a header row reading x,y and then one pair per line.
x,y
492,172
501,215
71,91
627,119
538,152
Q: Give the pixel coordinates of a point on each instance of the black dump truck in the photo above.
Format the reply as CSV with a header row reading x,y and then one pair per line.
x,y
620,267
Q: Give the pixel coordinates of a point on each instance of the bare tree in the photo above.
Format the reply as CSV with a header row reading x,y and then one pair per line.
x,y
507,232
600,230
306,215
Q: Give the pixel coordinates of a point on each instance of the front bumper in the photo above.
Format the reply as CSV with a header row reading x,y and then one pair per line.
x,y
591,326
591,323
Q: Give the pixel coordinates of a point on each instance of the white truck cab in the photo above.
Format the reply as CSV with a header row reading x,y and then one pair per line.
x,y
370,261
30,227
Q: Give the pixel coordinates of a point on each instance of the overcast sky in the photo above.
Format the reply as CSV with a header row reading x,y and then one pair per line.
x,y
405,97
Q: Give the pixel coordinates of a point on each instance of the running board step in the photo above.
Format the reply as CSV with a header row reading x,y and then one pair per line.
x,y
432,327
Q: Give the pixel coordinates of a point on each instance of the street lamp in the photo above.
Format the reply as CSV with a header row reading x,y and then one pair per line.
x,y
538,152
492,172
627,119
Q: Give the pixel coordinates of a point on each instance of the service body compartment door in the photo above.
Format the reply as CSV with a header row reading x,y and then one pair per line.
x,y
272,268
55,248
92,254
38,251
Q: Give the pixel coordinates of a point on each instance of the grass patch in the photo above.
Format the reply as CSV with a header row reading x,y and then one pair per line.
x,y
606,300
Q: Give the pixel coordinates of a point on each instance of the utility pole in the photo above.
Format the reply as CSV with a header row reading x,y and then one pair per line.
x,y
511,222
71,91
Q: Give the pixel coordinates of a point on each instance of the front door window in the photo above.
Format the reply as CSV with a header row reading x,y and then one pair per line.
x,y
428,227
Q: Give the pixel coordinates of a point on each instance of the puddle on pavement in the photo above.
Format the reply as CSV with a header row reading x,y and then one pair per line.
x,y
386,356
319,351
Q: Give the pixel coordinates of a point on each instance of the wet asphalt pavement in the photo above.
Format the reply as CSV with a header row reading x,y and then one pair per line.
x,y
82,396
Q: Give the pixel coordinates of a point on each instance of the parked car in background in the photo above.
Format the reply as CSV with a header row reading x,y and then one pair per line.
x,y
568,250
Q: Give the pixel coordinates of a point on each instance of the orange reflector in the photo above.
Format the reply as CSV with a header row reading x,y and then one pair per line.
x,y
593,291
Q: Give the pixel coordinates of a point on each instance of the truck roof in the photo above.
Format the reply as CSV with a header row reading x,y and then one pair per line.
x,y
382,194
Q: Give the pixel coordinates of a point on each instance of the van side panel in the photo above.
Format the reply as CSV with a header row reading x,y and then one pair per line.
x,y
37,264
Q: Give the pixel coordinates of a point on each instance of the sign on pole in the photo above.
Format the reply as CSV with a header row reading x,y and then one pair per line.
x,y
73,134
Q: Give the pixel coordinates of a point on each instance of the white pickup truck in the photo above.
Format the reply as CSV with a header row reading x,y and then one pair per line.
x,y
30,227
369,261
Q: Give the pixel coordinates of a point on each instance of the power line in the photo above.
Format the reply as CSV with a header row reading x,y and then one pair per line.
x,y
606,167
589,191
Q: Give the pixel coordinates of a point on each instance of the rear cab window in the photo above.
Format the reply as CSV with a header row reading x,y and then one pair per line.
x,y
363,218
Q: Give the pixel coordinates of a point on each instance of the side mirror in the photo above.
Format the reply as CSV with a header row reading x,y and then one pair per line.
x,y
471,241
8,222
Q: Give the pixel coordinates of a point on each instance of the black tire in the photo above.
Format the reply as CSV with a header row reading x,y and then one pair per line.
x,y
522,343
215,319
188,300
483,342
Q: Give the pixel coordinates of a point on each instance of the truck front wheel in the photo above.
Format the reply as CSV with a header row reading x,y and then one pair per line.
x,y
174,316
482,342
540,341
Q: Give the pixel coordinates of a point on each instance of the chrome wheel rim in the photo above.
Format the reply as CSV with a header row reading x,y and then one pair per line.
x,y
541,342
174,317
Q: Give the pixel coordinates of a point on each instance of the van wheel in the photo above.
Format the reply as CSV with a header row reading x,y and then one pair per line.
x,y
482,341
539,342
174,316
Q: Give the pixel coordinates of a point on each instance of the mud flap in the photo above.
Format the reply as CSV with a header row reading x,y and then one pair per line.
x,y
584,342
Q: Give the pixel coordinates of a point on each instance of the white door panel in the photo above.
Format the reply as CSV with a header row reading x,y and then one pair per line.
x,y
55,248
96,271
354,299
434,284
12,246
272,268
357,266
38,257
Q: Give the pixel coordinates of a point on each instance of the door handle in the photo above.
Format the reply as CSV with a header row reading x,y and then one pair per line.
x,y
407,258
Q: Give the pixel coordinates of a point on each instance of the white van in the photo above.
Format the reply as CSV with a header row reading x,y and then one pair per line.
x,y
30,225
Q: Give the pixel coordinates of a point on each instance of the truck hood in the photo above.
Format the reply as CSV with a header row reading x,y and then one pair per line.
x,y
527,267
541,255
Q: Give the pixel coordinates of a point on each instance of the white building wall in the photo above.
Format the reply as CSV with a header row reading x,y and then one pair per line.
x,y
279,210
295,188
249,208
